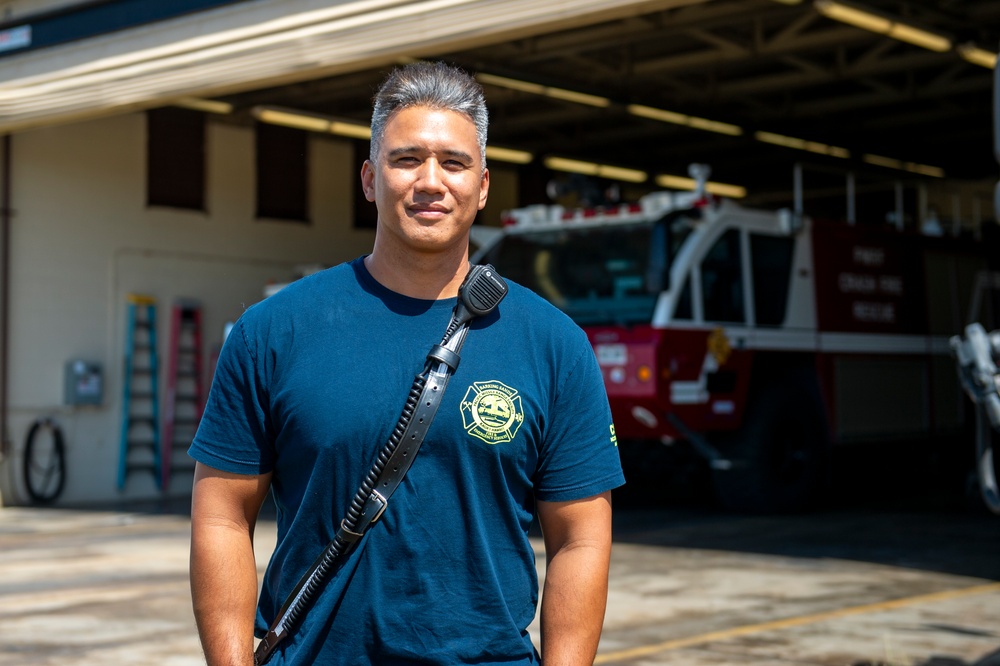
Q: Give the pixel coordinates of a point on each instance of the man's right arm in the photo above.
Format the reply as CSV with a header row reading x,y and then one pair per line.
x,y
224,512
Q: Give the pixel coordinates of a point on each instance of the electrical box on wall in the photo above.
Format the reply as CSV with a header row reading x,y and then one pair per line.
x,y
84,384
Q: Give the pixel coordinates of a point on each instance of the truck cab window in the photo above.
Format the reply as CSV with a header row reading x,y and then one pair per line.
x,y
684,309
596,275
722,280
771,262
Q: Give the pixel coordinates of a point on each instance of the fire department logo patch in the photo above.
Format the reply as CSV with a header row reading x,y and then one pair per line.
x,y
492,412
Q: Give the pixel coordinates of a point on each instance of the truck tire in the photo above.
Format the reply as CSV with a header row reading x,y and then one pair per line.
x,y
780,455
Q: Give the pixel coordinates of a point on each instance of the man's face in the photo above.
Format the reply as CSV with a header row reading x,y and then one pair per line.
x,y
429,181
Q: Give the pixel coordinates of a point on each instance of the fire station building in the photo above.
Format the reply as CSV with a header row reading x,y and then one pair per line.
x,y
164,165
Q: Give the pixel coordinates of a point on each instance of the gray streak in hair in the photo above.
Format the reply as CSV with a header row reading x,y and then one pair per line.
x,y
435,85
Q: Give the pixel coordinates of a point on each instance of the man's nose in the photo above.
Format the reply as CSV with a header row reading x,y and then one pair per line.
x,y
431,177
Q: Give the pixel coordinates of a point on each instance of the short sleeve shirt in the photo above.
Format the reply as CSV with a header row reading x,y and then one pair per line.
x,y
309,386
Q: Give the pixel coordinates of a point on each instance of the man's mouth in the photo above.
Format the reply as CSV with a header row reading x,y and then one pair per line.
x,y
429,211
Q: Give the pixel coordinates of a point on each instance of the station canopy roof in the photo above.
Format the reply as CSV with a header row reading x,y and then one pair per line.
x,y
888,89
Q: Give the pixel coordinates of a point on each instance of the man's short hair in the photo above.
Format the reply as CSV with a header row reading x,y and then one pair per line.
x,y
433,84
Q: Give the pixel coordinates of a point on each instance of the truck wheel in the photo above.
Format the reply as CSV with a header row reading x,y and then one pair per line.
x,y
780,455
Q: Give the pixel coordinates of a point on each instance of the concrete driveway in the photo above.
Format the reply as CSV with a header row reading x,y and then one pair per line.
x,y
692,587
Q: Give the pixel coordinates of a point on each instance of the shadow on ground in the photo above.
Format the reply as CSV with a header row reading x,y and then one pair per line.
x,y
898,506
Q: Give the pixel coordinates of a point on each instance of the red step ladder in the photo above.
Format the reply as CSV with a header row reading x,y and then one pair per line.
x,y
184,398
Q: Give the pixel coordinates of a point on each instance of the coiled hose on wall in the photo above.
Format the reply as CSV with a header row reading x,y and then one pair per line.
x,y
44,467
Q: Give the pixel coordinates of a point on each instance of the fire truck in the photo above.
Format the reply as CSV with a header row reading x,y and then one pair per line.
x,y
758,339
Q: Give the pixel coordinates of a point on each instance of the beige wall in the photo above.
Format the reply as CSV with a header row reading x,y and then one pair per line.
x,y
82,238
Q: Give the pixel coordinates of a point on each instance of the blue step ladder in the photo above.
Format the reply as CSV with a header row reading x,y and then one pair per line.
x,y
140,433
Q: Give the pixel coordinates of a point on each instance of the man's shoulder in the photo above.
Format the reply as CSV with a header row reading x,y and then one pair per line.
x,y
541,327
296,303
338,276
541,311
296,294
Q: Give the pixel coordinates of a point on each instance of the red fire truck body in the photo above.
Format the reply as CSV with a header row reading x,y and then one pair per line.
x,y
761,338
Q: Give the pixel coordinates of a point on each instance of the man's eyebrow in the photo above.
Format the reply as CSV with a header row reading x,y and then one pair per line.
x,y
405,150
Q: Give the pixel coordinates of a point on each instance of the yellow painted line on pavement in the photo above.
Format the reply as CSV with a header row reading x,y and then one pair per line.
x,y
724,634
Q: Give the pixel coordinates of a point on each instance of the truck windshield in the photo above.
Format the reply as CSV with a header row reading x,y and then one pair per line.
x,y
595,274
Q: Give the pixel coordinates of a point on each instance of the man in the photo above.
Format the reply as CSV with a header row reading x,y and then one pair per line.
x,y
309,386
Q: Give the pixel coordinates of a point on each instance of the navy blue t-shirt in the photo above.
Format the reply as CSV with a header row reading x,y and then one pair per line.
x,y
309,386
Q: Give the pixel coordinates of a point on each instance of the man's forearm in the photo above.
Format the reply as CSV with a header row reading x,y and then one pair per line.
x,y
224,593
573,604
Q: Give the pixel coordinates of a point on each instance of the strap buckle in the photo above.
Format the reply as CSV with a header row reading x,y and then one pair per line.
x,y
381,500
376,501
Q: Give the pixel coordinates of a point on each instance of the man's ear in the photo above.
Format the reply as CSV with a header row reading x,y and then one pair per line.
x,y
368,180
484,188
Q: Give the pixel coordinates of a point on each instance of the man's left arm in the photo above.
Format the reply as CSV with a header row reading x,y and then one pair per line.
x,y
577,537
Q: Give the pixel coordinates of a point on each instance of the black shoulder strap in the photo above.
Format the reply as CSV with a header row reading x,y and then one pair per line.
x,y
481,292
371,499
402,457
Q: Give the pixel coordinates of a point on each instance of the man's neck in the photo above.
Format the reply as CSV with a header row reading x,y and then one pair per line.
x,y
429,277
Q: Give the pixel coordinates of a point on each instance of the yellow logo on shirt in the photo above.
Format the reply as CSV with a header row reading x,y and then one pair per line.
x,y
492,412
